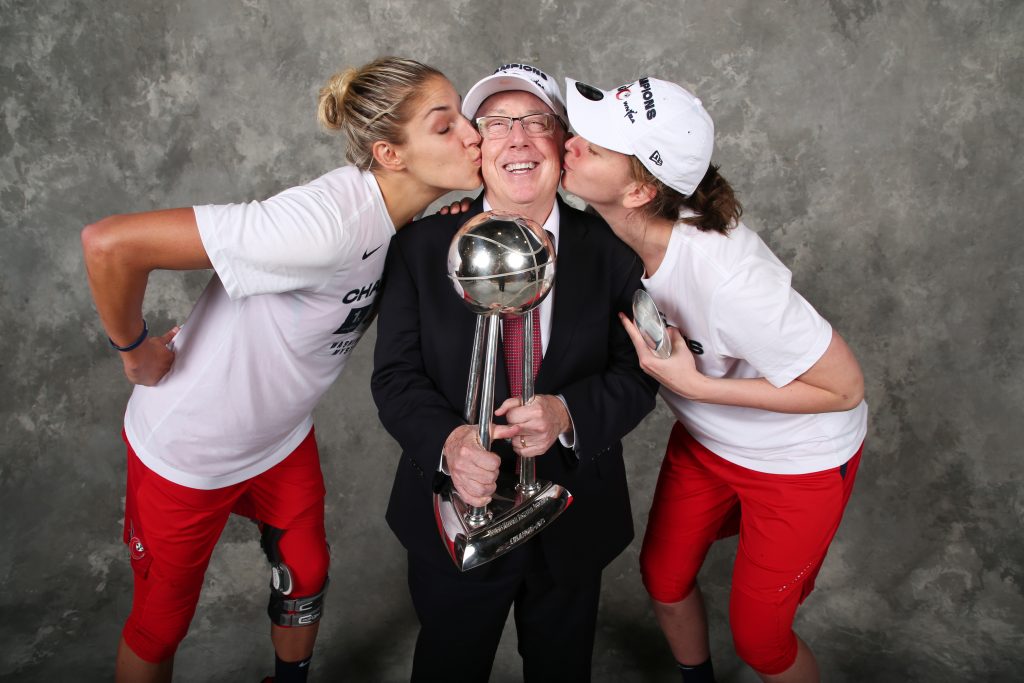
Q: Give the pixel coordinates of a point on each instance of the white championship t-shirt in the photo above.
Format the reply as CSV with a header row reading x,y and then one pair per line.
x,y
732,300
295,287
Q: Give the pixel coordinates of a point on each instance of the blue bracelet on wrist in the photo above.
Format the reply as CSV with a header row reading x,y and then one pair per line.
x,y
134,344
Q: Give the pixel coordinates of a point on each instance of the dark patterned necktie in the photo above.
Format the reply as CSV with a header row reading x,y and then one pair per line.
x,y
513,343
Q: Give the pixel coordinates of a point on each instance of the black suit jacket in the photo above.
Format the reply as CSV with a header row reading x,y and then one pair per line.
x,y
421,365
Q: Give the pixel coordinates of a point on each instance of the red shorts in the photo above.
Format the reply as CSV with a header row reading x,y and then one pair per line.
x,y
786,526
171,530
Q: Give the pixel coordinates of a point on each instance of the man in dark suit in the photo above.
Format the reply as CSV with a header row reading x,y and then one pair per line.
x,y
590,392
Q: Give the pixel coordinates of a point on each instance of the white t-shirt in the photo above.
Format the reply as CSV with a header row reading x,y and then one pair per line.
x,y
295,287
732,300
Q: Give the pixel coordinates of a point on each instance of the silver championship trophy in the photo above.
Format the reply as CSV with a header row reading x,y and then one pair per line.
x,y
501,264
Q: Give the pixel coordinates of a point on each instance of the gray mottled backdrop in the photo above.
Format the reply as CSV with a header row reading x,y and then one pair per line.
x,y
877,147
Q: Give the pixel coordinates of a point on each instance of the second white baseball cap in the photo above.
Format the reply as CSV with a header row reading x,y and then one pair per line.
x,y
660,123
515,77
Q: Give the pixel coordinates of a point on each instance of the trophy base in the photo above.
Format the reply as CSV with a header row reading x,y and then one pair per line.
x,y
513,520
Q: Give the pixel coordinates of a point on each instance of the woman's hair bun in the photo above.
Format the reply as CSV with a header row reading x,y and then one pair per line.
x,y
331,111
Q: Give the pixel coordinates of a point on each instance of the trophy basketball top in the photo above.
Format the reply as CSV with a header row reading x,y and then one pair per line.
x,y
501,263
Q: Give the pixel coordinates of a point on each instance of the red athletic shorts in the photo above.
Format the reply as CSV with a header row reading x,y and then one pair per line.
x,y
171,530
786,526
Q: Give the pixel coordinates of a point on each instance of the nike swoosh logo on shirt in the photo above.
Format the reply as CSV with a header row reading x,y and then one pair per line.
x,y
368,254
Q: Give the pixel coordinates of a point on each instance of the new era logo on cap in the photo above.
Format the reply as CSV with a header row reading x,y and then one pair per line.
x,y
656,157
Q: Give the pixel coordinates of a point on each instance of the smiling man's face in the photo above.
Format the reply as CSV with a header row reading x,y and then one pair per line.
x,y
520,172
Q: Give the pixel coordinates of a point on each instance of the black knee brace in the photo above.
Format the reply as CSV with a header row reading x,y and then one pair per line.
x,y
296,611
282,610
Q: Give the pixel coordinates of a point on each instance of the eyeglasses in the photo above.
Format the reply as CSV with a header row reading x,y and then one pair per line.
x,y
534,125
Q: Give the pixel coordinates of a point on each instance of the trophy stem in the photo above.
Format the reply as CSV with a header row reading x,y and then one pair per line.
x,y
478,516
475,365
487,385
528,355
527,467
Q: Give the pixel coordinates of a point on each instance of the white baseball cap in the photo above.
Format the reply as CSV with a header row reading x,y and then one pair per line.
x,y
515,77
660,123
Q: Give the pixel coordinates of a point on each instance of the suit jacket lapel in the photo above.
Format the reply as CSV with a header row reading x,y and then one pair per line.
x,y
570,296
